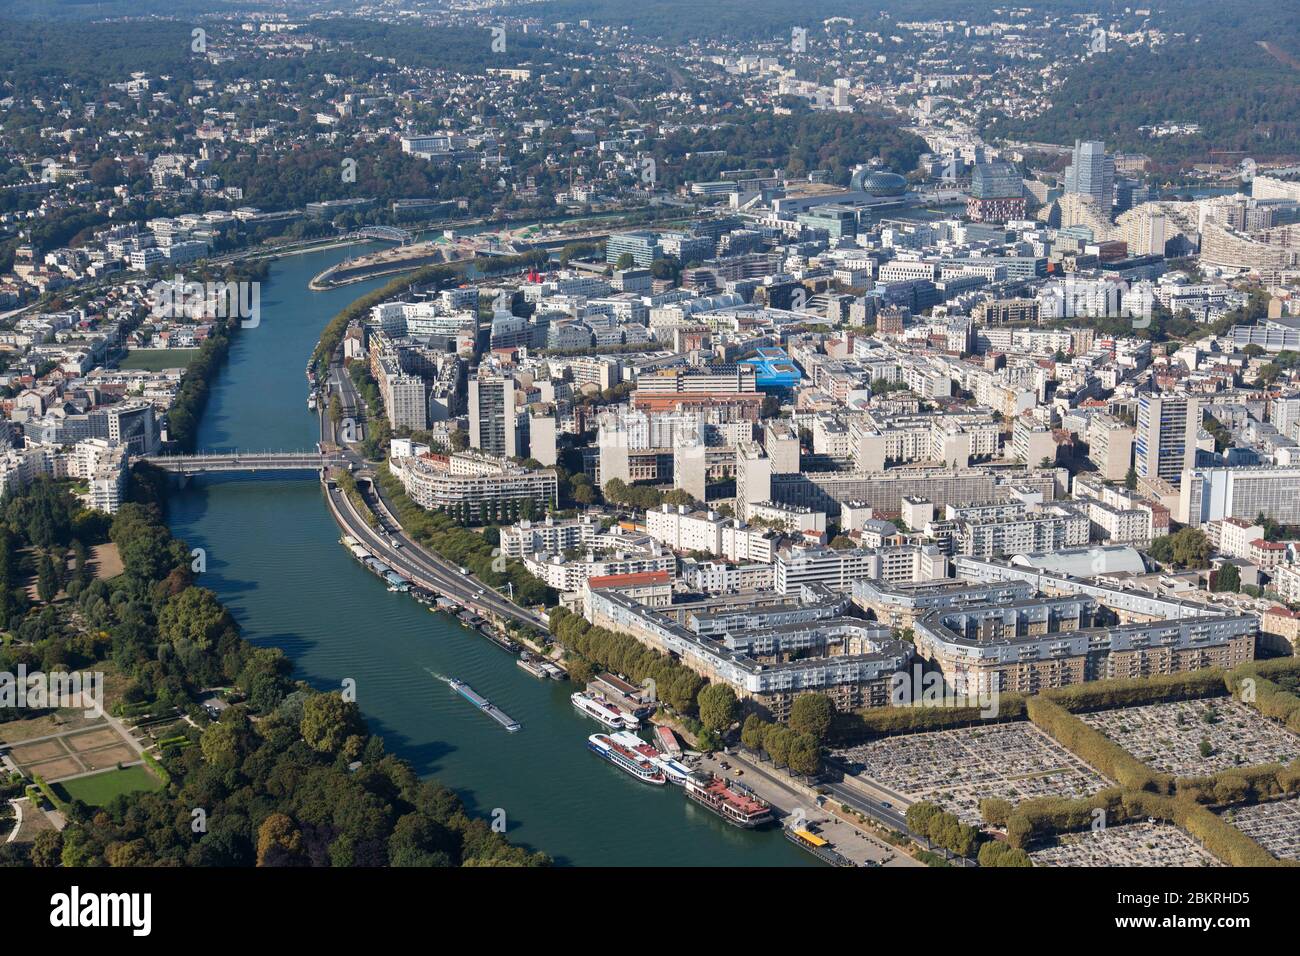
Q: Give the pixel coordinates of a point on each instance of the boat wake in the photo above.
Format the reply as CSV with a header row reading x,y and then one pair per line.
x,y
436,676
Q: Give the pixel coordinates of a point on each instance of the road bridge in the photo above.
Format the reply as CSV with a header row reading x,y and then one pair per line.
x,y
207,463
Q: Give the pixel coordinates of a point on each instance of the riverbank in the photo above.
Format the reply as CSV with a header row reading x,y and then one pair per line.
x,y
274,559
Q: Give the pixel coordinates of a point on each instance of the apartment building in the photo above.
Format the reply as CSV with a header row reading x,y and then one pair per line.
x,y
1165,441
1016,528
493,417
1110,446
838,569
548,536
474,488
848,660
1062,638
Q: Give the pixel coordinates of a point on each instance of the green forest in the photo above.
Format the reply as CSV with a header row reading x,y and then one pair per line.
x,y
1245,98
288,776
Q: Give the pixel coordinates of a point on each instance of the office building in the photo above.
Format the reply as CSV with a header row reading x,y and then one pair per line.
x,y
1091,173
1212,494
997,193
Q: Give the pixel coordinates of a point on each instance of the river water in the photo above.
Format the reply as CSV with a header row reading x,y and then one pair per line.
x,y
273,556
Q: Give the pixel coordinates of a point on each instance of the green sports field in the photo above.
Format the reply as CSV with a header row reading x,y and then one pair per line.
x,y
100,788
153,360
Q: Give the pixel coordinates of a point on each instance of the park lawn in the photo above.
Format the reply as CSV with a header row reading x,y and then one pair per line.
x,y
99,789
154,360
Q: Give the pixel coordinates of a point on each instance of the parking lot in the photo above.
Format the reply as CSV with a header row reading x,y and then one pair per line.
x,y
1196,737
958,768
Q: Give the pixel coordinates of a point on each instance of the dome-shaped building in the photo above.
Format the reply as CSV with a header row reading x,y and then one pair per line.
x,y
883,183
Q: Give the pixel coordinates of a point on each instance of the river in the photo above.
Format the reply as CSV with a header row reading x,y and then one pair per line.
x,y
273,556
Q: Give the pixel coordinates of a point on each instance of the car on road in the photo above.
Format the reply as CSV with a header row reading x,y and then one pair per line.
x,y
886,804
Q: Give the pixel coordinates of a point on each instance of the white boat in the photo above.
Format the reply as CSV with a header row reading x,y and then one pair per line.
x,y
676,772
626,759
603,711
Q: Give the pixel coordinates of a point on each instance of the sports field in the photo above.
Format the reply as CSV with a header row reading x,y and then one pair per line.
x,y
154,360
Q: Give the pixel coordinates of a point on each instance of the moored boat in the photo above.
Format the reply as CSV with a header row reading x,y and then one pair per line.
x,y
735,803
603,711
677,773
626,759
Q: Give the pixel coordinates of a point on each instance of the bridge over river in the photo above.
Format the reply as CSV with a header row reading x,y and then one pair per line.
x,y
210,462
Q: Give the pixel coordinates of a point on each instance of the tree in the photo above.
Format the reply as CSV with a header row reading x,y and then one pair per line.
x,y
279,841
1191,549
223,743
195,615
47,848
328,721
47,580
1131,479
996,853
718,707
616,490
1162,549
751,732
1227,578
804,755
812,714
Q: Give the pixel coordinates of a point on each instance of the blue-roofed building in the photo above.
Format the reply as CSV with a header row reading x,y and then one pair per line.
x,y
774,370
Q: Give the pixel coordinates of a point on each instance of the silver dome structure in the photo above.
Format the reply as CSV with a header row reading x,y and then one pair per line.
x,y
879,182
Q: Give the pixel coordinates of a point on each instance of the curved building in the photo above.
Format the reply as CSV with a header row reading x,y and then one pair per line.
x,y
880,183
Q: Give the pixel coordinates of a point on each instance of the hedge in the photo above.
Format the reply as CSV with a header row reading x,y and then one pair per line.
x,y
918,718
1134,692
1271,699
163,774
1242,784
1095,748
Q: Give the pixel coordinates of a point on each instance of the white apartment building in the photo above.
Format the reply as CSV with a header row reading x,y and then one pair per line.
x,y
1286,582
570,575
717,577
1110,446
681,529
548,536
993,530
837,570
1232,537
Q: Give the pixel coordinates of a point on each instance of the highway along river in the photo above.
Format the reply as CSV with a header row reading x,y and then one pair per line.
x,y
273,556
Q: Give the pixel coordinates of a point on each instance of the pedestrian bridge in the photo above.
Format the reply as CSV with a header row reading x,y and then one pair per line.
x,y
245,461
387,233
